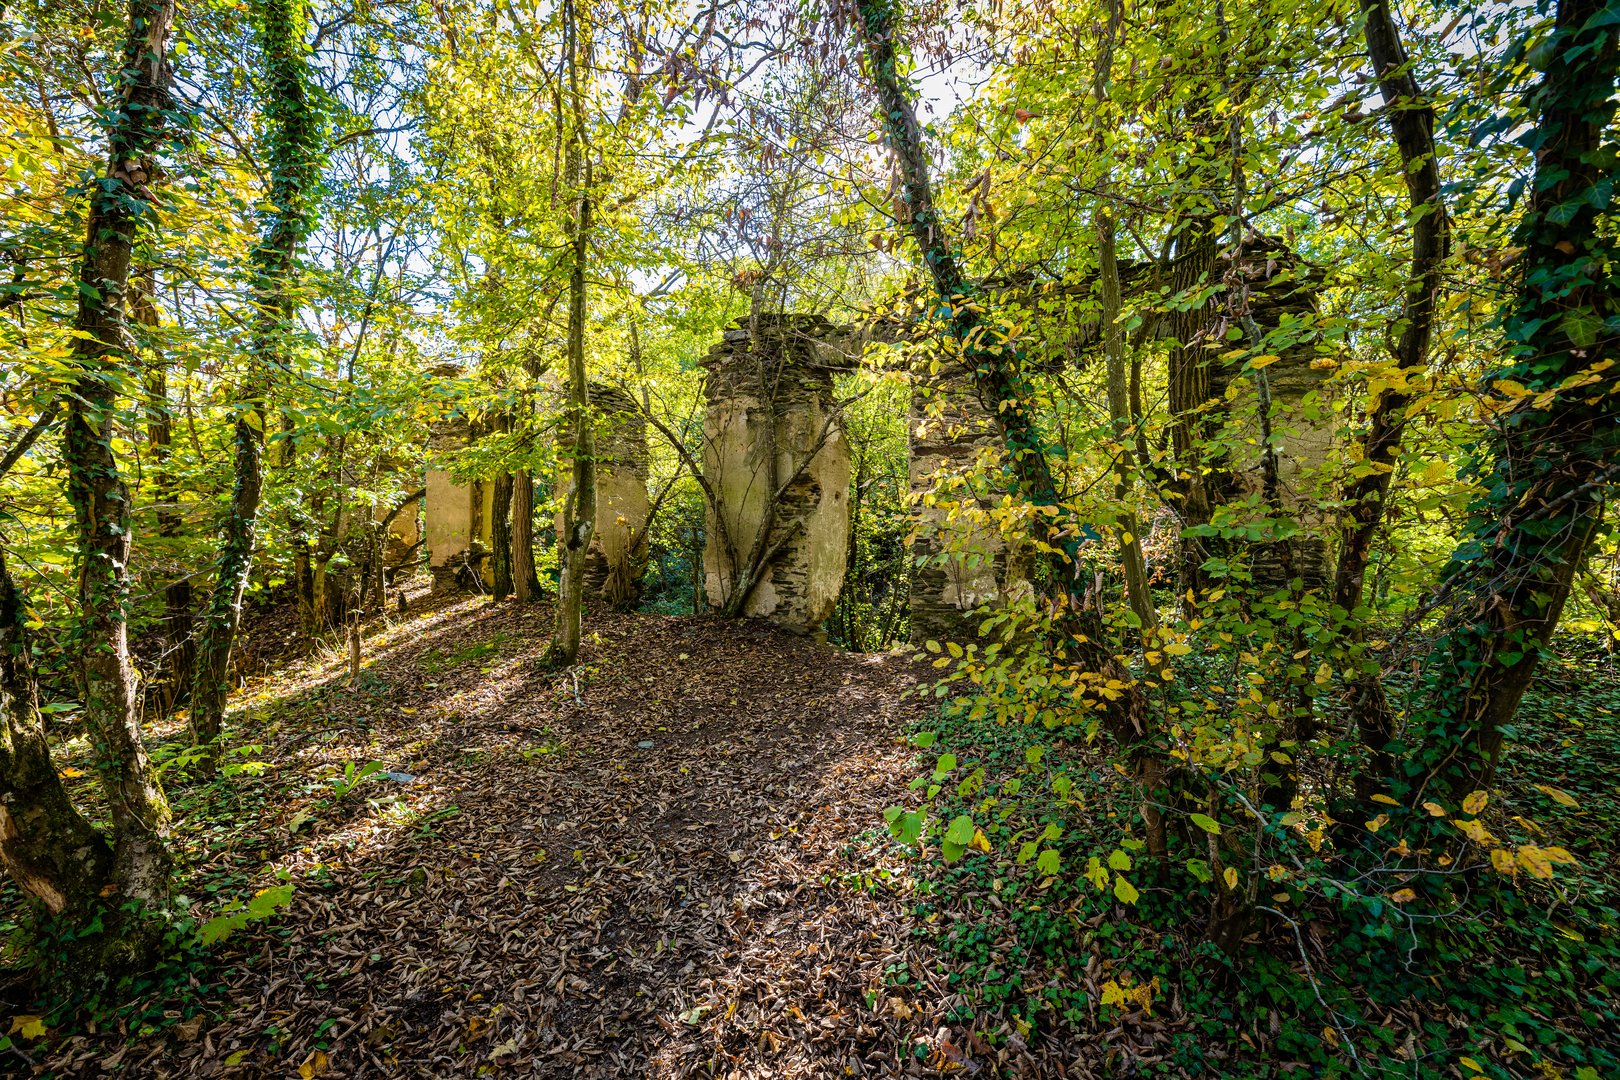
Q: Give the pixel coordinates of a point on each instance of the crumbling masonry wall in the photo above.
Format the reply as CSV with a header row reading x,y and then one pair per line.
x,y
772,425
456,516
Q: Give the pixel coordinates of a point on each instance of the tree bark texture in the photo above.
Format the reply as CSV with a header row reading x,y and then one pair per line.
x,y
49,849
120,202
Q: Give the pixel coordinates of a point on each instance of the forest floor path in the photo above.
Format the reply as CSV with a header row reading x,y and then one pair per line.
x,y
668,862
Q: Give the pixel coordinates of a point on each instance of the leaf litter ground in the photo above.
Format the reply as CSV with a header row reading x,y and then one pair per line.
x,y
668,862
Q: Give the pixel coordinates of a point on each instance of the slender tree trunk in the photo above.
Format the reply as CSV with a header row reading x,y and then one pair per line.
x,y
579,511
1134,566
49,849
525,578
96,486
1411,122
1198,487
1549,460
293,134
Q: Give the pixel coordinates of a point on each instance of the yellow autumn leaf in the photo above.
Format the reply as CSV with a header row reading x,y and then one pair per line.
x,y
1535,861
1503,863
980,841
1176,648
1385,799
1231,877
69,772
313,1065
1435,809
29,1027
1264,361
1562,798
1471,1063
1402,896
1475,832
1475,803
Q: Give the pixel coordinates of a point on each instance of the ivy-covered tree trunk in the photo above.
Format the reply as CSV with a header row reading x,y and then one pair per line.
x,y
1411,123
1552,456
120,202
579,511
49,849
293,134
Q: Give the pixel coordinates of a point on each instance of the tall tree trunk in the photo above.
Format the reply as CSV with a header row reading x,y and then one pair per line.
x,y
579,510
993,361
1549,460
96,487
1411,123
293,136
179,650
49,849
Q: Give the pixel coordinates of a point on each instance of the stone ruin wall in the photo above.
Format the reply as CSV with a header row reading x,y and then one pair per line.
x,y
1304,424
962,564
618,544
457,516
770,408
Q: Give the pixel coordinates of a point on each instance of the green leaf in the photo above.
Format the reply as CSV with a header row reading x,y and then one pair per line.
x,y
1207,823
960,831
1199,869
1119,861
923,740
1049,863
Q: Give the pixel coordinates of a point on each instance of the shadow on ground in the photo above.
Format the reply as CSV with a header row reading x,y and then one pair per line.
x,y
663,863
